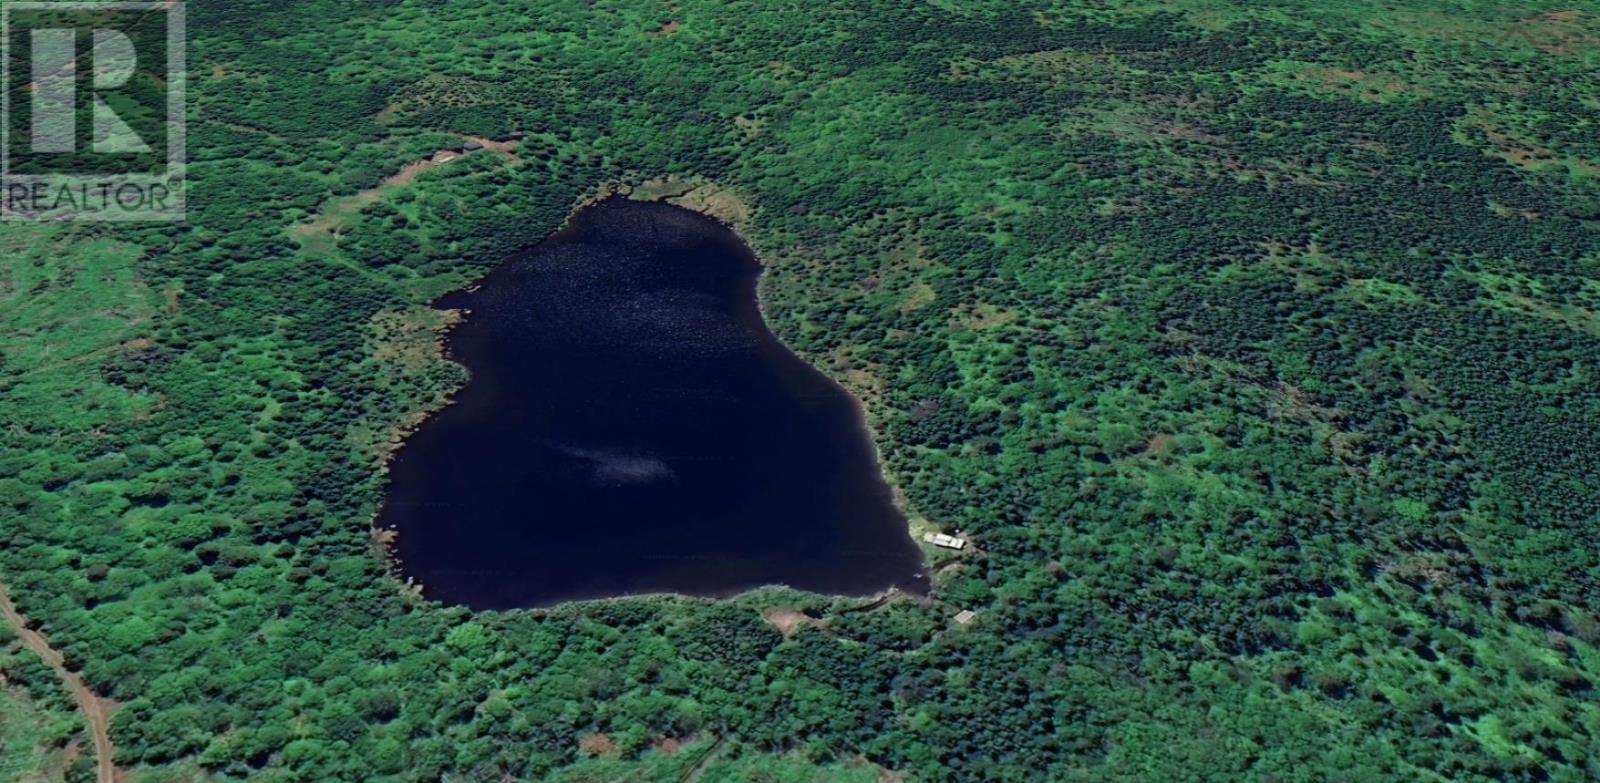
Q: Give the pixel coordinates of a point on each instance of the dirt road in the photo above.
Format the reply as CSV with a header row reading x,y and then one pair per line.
x,y
95,710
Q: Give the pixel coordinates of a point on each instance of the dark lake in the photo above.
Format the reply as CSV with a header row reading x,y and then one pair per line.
x,y
632,426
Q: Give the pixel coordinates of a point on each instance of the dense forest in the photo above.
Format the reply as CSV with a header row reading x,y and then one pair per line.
x,y
1254,346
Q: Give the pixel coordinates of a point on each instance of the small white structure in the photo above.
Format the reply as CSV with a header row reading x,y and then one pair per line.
x,y
965,616
948,542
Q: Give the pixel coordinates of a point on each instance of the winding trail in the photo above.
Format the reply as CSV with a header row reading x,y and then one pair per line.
x,y
321,233
95,710
692,775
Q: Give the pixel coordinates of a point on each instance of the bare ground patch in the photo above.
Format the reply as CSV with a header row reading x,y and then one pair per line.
x,y
788,621
597,745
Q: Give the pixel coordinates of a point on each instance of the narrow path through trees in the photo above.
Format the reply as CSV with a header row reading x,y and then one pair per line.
x,y
95,710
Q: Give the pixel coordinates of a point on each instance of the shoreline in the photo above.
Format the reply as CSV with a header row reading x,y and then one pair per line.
x,y
672,191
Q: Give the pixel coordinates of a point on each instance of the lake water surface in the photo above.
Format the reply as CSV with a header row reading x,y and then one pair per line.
x,y
631,426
